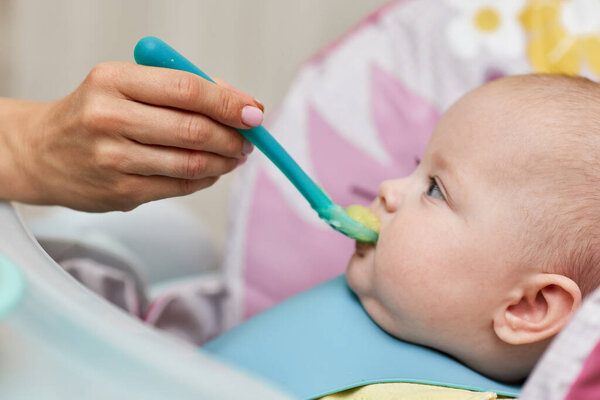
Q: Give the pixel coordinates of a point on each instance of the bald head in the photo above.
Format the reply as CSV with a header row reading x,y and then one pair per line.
x,y
562,176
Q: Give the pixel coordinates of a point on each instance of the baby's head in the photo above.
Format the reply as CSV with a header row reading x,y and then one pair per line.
x,y
487,249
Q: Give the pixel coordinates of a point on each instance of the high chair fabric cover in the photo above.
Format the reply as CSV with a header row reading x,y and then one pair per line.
x,y
157,261
362,110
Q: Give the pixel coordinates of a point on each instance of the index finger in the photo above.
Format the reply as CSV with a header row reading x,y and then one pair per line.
x,y
186,91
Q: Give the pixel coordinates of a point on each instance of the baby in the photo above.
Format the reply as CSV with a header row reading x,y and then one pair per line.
x,y
487,249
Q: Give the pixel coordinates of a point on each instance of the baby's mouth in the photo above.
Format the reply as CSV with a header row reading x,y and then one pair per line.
x,y
363,248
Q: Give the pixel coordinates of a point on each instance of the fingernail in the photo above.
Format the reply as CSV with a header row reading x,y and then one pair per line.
x,y
248,147
241,161
252,116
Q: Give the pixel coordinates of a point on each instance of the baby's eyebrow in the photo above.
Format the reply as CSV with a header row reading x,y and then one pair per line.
x,y
439,161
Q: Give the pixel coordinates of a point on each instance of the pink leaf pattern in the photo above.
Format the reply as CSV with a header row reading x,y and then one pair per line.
x,y
587,384
278,264
347,174
284,254
404,121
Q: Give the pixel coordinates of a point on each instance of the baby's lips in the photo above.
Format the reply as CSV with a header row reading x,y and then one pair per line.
x,y
363,248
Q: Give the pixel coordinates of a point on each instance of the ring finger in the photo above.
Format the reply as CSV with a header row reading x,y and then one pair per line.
x,y
174,162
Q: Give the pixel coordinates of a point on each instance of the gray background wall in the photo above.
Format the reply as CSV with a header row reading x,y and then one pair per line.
x,y
48,47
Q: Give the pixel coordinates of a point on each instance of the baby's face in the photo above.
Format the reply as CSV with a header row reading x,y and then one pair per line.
x,y
452,232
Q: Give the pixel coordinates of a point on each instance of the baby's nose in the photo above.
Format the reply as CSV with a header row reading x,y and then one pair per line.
x,y
390,194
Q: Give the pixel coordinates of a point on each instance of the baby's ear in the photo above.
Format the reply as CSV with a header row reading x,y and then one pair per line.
x,y
539,309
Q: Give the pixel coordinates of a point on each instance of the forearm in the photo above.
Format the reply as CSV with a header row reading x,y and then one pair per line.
x,y
17,119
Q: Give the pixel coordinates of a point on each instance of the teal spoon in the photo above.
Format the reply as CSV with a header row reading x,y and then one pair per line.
x,y
153,52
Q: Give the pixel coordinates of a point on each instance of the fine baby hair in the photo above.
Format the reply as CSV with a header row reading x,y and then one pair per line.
x,y
567,215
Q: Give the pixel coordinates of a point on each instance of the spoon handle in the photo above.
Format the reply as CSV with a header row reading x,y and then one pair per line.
x,y
153,52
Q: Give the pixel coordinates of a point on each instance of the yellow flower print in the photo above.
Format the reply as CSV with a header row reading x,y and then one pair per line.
x,y
564,35
490,26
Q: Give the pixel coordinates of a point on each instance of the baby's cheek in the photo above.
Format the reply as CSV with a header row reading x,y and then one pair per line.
x,y
407,274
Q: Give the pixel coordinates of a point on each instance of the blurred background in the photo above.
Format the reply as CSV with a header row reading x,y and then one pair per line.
x,y
48,47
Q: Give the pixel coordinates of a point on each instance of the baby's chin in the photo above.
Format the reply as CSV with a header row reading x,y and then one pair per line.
x,y
382,317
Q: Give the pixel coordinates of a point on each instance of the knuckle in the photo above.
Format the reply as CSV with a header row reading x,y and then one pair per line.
x,y
236,144
103,72
96,116
193,131
227,106
126,195
119,192
188,89
187,186
195,165
121,162
108,156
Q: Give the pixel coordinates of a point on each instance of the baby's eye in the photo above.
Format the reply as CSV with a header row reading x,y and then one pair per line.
x,y
434,190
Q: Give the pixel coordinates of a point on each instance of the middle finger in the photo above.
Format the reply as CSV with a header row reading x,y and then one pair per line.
x,y
161,126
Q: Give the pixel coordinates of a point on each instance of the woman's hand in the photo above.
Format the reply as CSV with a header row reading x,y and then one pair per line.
x,y
127,135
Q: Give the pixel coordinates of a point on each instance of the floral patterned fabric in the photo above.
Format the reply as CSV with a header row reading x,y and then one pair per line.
x,y
361,111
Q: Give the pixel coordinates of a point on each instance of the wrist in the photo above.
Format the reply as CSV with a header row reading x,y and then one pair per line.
x,y
18,119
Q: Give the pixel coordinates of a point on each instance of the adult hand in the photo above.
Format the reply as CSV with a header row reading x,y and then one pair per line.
x,y
127,135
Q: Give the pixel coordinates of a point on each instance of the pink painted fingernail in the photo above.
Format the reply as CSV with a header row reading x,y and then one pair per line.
x,y
248,147
252,116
